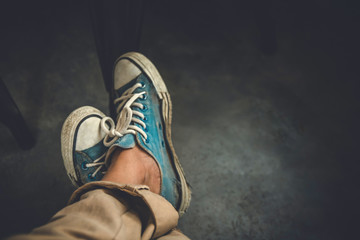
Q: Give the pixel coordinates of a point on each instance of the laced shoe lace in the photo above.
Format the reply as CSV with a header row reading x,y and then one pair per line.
x,y
98,164
125,122
126,118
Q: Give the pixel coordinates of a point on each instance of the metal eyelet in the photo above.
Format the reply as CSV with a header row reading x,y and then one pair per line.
x,y
146,129
144,97
145,119
143,85
90,176
83,165
145,108
147,140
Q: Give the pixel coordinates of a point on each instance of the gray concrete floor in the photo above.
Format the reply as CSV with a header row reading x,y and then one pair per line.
x,y
269,143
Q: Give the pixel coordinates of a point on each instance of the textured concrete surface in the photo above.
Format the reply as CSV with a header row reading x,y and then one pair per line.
x,y
269,143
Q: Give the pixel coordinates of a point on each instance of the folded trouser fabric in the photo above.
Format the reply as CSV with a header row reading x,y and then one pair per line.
x,y
106,210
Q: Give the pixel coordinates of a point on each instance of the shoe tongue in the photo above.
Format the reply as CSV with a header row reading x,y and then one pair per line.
x,y
127,141
119,92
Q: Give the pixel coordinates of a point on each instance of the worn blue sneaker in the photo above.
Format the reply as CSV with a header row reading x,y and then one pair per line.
x,y
144,113
82,145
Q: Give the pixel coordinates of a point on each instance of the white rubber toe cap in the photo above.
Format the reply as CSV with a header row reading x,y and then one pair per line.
x,y
124,72
89,134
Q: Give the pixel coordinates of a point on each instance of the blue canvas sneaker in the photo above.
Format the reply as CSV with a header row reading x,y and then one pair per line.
x,y
144,109
82,145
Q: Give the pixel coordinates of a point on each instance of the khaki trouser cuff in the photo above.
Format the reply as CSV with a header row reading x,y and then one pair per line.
x,y
160,213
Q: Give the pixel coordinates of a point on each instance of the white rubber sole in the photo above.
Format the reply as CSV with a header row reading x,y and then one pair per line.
x,y
150,70
67,138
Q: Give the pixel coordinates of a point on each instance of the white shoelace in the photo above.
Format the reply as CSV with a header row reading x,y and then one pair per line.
x,y
97,163
125,117
123,126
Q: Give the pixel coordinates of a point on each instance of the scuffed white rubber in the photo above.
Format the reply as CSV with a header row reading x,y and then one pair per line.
x,y
67,137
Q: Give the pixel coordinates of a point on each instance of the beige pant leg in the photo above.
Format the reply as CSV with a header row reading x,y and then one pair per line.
x,y
106,210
